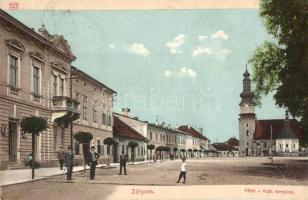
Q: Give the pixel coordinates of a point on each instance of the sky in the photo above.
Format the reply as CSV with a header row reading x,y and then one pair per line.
x,y
174,66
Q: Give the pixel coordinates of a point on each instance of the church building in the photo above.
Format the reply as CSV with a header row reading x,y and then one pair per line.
x,y
265,137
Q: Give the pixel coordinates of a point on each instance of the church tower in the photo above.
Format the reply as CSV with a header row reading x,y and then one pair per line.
x,y
247,119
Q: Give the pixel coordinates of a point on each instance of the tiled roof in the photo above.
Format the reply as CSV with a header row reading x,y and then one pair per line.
x,y
124,130
233,142
191,131
263,128
224,147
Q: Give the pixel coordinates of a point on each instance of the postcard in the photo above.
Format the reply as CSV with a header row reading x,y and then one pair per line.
x,y
153,99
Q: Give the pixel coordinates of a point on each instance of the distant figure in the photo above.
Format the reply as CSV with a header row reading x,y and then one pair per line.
x,y
69,161
123,160
154,157
92,161
60,156
183,170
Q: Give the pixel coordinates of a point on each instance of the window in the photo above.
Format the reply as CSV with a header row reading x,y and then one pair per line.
x,y
98,144
94,112
13,70
247,133
150,135
265,144
156,136
246,125
55,85
122,148
85,107
77,151
109,120
287,145
142,151
247,143
138,151
36,80
61,87
104,119
280,146
294,146
103,149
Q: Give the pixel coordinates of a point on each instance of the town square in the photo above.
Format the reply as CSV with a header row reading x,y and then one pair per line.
x,y
162,101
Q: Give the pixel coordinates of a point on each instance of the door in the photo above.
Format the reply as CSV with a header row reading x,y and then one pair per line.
x,y
12,141
132,154
115,153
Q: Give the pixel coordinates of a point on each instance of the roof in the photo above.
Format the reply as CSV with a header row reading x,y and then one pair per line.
x,y
30,32
190,130
90,77
263,129
233,142
224,147
122,129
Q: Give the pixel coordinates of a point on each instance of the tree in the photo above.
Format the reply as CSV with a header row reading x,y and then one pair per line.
x,y
109,141
33,125
280,66
84,138
151,147
175,149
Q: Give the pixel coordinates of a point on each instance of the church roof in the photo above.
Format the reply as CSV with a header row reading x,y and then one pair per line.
x,y
224,147
263,129
233,142
124,130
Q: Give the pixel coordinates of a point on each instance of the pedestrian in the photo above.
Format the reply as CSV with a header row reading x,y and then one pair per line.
x,y
154,157
60,156
69,161
183,171
92,161
123,160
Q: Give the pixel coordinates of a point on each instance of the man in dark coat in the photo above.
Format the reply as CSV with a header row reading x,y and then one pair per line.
x,y
60,156
92,161
69,161
123,159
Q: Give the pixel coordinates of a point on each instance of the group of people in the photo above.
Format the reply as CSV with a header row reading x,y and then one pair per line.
x,y
67,158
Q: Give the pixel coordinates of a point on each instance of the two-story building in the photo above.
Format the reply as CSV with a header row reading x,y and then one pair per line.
x,y
34,69
95,110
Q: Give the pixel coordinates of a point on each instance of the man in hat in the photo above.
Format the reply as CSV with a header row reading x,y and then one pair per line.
x,y
123,159
92,161
60,156
69,161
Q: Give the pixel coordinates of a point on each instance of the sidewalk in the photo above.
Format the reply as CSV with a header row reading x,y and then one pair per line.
x,y
9,177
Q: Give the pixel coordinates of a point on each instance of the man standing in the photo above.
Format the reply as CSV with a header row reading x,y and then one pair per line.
x,y
123,160
92,161
69,161
183,171
60,156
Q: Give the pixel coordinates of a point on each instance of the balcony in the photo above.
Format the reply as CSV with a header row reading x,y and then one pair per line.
x,y
64,110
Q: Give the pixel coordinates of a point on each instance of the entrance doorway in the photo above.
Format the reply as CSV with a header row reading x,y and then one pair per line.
x,y
13,141
247,152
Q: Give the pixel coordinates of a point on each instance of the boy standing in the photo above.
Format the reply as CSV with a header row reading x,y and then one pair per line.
x,y
183,170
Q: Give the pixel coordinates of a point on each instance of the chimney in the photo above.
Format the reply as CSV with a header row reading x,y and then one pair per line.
x,y
163,124
201,130
126,112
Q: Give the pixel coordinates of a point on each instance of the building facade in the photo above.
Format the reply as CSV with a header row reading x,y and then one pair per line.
x,y
126,136
33,82
95,108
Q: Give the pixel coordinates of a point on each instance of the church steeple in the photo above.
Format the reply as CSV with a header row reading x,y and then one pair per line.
x,y
246,95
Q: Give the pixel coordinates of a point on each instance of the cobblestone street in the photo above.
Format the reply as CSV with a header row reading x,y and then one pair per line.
x,y
208,171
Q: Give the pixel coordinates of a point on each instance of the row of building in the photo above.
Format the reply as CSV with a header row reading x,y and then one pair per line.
x,y
37,79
